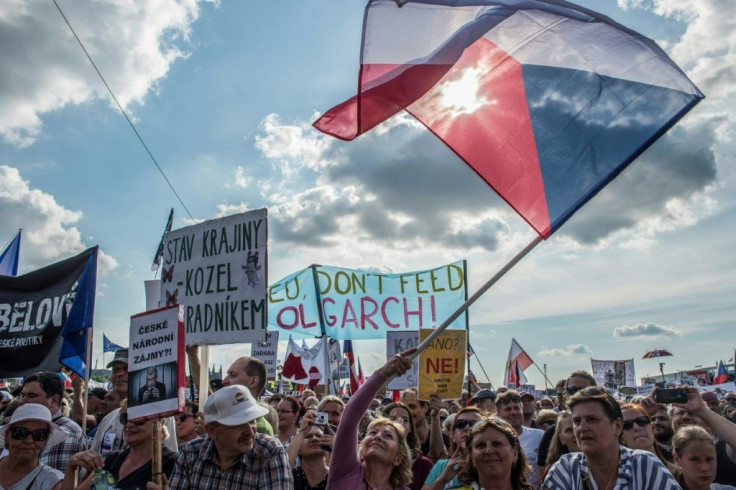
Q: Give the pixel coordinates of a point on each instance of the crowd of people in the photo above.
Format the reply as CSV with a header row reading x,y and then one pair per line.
x,y
582,439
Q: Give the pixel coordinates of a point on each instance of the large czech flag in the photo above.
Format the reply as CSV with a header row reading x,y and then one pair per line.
x,y
545,100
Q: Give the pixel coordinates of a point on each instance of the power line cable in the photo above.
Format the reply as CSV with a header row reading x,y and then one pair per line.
x,y
123,111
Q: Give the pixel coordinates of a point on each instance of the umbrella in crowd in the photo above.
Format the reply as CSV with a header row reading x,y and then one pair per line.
x,y
656,353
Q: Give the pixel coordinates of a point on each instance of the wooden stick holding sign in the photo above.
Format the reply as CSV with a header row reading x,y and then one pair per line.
x,y
156,466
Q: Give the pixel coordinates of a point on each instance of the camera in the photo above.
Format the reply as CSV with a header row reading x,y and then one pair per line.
x,y
673,395
321,418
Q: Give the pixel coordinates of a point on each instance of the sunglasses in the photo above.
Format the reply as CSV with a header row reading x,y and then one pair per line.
x,y
462,424
21,433
640,421
124,420
571,390
509,399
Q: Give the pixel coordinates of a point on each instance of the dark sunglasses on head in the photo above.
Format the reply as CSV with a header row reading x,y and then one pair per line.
x,y
571,390
462,424
592,392
124,420
21,433
640,421
509,399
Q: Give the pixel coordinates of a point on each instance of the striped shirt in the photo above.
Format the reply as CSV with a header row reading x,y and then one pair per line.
x,y
265,467
637,470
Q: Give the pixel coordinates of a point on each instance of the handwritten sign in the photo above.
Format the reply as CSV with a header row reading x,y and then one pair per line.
x,y
357,304
218,271
396,343
442,364
156,375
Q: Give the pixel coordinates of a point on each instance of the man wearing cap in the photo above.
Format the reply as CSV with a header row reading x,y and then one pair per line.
x,y
485,400
251,373
232,453
47,389
508,407
109,435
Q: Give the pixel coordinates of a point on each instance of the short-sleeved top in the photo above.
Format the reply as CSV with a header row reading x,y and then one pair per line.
x,y
137,479
42,477
301,482
436,472
265,467
637,470
529,440
420,468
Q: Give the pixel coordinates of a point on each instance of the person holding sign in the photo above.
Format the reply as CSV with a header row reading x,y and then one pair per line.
x,y
132,467
384,458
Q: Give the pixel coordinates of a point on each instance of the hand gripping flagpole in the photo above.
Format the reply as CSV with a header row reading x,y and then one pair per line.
x,y
485,287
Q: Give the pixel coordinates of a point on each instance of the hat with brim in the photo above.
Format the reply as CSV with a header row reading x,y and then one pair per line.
x,y
526,394
121,355
34,411
232,405
484,394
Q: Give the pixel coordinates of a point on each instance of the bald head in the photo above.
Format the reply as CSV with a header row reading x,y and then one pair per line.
x,y
249,372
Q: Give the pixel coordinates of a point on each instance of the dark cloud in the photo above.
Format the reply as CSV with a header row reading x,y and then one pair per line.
x,y
644,330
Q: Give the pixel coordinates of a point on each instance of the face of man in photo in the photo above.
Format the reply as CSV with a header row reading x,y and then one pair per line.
x,y
150,380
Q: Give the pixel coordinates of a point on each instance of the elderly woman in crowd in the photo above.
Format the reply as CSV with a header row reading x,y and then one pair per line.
x,y
131,467
495,459
445,470
290,411
603,463
638,434
309,454
384,458
28,433
421,465
563,442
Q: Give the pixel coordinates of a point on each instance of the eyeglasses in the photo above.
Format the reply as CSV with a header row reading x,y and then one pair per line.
x,y
21,433
640,421
123,418
462,424
184,416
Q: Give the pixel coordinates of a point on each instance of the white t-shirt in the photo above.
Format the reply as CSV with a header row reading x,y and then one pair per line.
x,y
529,440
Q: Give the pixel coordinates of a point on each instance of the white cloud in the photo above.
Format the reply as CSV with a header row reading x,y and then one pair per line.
x,y
132,43
49,231
240,180
570,350
648,330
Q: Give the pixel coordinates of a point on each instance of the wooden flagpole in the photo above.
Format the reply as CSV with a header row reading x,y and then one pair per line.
x,y
156,452
485,287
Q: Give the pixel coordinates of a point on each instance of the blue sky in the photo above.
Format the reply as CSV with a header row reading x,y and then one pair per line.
x,y
224,94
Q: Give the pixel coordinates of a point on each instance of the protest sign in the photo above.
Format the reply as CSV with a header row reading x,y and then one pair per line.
x,y
397,342
218,270
613,374
36,316
156,363
266,352
442,364
357,304
645,390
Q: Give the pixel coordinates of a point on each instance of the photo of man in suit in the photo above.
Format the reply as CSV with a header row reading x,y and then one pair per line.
x,y
154,390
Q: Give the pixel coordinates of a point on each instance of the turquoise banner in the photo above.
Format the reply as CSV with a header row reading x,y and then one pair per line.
x,y
358,304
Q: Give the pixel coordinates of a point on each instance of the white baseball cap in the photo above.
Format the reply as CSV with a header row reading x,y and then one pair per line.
x,y
232,405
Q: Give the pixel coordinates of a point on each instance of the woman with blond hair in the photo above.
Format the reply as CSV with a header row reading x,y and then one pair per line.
x,y
563,441
383,459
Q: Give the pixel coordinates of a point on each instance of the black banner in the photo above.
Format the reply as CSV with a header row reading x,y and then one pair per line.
x,y
34,309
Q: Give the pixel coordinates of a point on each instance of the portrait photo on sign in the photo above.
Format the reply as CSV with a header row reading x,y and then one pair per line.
x,y
154,384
